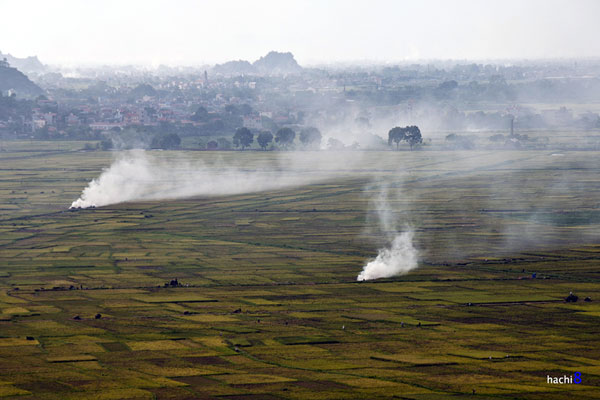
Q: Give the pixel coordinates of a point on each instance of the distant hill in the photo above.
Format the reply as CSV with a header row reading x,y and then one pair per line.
x,y
27,64
277,63
240,67
273,63
15,80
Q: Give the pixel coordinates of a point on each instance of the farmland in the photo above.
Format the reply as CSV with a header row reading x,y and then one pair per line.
x,y
266,302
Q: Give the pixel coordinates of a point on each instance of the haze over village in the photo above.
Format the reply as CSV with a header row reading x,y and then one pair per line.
x,y
353,107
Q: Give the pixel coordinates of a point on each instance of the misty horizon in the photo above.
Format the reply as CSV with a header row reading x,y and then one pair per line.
x,y
358,63
195,34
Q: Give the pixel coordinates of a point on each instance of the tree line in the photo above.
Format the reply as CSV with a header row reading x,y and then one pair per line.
x,y
311,137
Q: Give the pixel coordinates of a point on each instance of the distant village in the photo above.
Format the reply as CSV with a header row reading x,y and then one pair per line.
x,y
350,106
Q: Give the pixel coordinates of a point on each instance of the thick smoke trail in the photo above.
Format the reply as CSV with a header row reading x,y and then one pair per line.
x,y
135,175
400,256
397,259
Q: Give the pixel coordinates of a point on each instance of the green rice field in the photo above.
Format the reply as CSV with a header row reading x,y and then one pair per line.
x,y
267,305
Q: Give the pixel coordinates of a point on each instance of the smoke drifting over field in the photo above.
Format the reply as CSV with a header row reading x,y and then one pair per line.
x,y
135,176
461,205
399,256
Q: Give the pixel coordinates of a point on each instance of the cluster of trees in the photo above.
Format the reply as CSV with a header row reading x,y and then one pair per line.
x,y
410,134
310,137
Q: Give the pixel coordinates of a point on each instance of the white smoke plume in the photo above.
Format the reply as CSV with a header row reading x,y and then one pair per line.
x,y
137,175
400,256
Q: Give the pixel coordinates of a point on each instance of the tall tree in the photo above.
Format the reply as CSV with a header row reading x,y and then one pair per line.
x,y
311,137
243,137
396,135
413,136
264,139
285,136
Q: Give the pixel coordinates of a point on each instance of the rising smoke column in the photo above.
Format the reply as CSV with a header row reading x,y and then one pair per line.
x,y
400,256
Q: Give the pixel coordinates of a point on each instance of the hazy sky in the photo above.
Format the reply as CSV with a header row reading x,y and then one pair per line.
x,y
195,32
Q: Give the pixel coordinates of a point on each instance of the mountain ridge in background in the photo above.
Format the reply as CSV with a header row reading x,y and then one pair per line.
x,y
241,67
13,80
274,63
28,64
277,63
